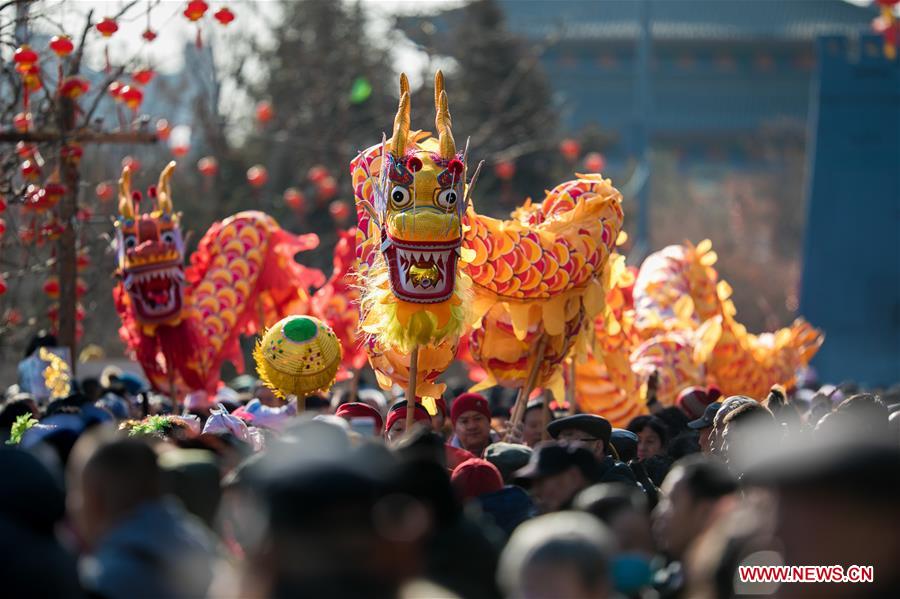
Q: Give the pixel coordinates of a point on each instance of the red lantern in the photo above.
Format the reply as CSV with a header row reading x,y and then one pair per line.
x,y
80,287
61,45
317,173
195,10
30,170
339,210
82,261
143,76
115,90
25,58
25,150
2,226
208,166
327,188
13,317
3,289
180,150
22,121
107,26
133,164
149,35
264,112
294,198
163,129
132,96
505,169
51,231
54,191
31,78
594,162
51,287
72,153
570,149
104,191
73,87
2,204
224,15
257,175
84,214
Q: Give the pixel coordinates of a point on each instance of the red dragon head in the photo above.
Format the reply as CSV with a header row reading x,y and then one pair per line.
x,y
150,252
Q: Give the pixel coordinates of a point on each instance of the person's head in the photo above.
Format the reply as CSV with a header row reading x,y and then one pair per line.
x,y
556,473
471,418
652,436
866,413
718,427
41,339
588,430
744,428
623,508
107,480
625,443
508,457
395,425
358,410
266,396
690,493
693,400
533,421
557,555
475,477
704,425
439,420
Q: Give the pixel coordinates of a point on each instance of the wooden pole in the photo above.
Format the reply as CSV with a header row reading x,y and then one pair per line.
x,y
354,384
570,389
66,253
411,388
525,391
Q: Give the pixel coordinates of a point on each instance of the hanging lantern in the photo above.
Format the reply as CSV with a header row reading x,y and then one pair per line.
x,y
105,191
24,58
25,150
180,140
143,76
3,289
163,129
80,287
294,198
317,173
594,162
36,199
195,10
257,176
51,286
2,226
264,112
30,170
72,152
107,26
224,15
82,261
131,163
208,166
2,204
55,192
149,35
505,169
84,214
327,188
339,210
115,90
22,121
61,45
570,149
13,317
31,78
132,96
51,231
73,87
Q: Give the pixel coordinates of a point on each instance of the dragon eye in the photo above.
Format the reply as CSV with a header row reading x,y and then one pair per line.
x,y
130,242
400,197
168,237
447,199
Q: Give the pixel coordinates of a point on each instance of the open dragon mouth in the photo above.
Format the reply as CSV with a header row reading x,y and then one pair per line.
x,y
157,292
422,272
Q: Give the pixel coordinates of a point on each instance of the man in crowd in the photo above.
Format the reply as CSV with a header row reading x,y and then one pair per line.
x,y
556,473
471,417
592,432
703,425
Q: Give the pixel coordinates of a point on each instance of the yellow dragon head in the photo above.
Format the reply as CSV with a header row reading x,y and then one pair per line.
x,y
419,203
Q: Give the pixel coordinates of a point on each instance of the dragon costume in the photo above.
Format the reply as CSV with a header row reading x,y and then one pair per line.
x,y
182,323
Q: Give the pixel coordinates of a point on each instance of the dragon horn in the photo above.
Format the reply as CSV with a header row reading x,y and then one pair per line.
x,y
126,206
163,192
442,119
401,121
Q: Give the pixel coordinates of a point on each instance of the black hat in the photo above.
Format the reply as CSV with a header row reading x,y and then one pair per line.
x,y
508,457
596,426
625,442
706,421
550,458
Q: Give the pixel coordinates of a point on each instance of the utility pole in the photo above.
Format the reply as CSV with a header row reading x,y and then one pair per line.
x,y
643,107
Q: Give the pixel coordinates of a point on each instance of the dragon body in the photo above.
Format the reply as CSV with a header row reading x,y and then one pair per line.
x,y
181,323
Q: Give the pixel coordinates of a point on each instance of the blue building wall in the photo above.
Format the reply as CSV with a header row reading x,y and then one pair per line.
x,y
851,276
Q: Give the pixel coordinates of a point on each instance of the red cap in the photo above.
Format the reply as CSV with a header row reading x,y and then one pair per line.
x,y
398,412
349,411
469,402
693,401
476,477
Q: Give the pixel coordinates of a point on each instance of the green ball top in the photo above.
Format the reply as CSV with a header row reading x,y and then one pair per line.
x,y
300,329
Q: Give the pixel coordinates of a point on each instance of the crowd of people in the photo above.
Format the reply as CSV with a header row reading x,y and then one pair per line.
x,y
117,492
